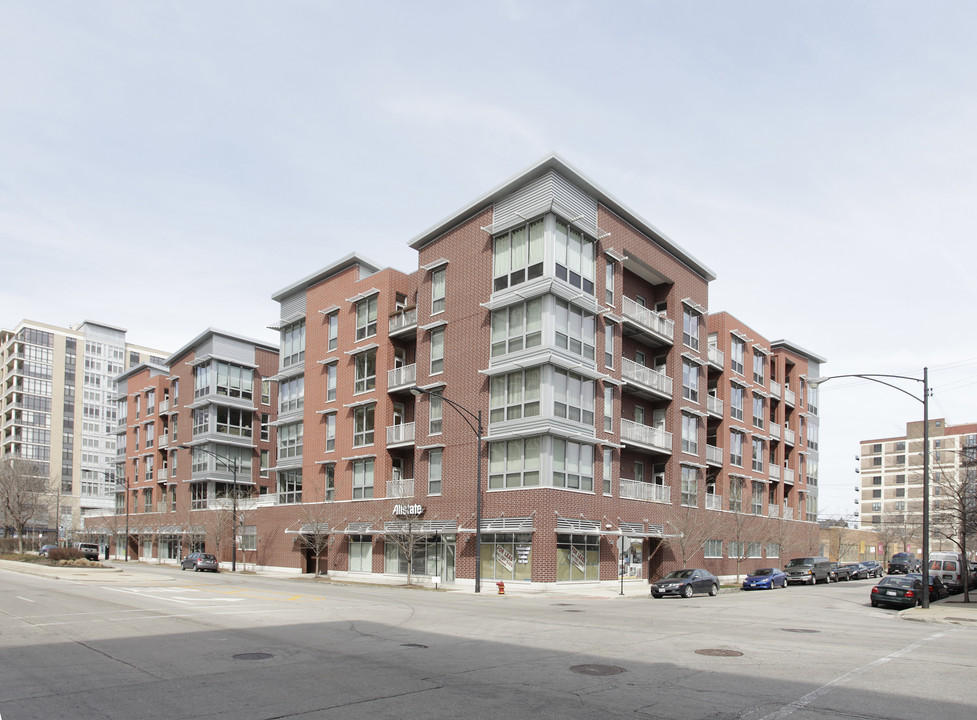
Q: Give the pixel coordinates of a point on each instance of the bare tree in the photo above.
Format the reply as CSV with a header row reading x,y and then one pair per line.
x,y
693,527
314,533
740,528
406,533
954,514
23,495
780,532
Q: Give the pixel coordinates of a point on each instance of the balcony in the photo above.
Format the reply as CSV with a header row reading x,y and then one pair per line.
x,y
714,455
646,380
162,474
403,322
714,502
789,397
652,327
774,471
789,436
716,357
164,440
775,432
400,435
646,436
403,488
788,513
773,511
715,406
401,377
788,476
646,492
775,389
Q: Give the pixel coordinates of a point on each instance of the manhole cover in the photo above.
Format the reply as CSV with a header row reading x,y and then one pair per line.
x,y
800,630
417,645
252,656
718,652
597,669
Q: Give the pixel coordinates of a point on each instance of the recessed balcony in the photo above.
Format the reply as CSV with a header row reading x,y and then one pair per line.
x,y
646,436
714,455
650,327
715,406
646,492
402,322
714,502
715,357
401,378
790,397
402,488
400,435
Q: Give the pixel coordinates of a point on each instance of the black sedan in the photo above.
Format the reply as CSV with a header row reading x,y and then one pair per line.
x,y
898,591
938,589
685,583
874,568
856,571
839,573
200,561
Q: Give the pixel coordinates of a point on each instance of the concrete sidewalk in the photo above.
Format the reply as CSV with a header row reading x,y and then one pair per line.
x,y
951,611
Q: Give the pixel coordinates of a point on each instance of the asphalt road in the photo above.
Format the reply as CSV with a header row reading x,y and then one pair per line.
x,y
158,643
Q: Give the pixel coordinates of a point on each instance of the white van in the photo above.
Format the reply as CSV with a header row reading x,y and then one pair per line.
x,y
948,566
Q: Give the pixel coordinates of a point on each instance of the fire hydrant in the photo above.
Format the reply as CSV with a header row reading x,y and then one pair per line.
x,y
501,586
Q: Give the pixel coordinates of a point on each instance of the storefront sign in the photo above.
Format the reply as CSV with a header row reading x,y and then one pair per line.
x,y
504,558
411,510
522,552
578,558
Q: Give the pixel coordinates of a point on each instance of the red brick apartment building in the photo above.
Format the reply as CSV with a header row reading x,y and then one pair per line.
x,y
622,423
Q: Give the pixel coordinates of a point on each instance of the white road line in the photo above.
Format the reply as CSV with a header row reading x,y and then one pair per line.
x,y
815,694
25,599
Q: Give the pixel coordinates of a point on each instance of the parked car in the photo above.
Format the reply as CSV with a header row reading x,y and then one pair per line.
x,y
902,563
90,549
838,573
898,591
874,568
43,552
856,571
200,561
948,566
808,570
938,588
765,579
686,582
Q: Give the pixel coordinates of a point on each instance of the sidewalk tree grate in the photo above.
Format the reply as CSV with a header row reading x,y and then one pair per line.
x,y
591,669
718,652
800,630
252,656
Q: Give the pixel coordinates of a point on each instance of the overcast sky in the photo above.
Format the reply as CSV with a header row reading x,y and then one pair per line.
x,y
167,166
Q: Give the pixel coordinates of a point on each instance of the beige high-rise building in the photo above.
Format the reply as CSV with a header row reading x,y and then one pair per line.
x,y
58,410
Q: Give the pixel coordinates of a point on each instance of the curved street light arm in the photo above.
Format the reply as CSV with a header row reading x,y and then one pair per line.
x,y
815,382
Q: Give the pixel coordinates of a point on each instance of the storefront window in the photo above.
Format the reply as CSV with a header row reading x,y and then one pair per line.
x,y
507,556
577,557
361,553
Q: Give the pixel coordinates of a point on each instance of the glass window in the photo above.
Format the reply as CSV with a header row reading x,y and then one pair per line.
x,y
514,463
437,291
690,434
435,414
577,557
515,395
737,354
574,257
518,255
608,408
713,549
517,327
736,448
363,479
332,330
575,330
608,468
690,381
759,410
363,425
291,394
366,318
293,343
330,432
290,486
434,472
365,366
736,397
437,351
690,329
330,382
573,397
690,486
758,451
290,440
609,283
759,367
573,465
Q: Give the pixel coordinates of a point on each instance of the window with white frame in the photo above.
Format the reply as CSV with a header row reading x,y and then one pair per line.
x,y
332,331
249,538
736,448
290,486
759,410
608,468
435,410
609,408
609,282
517,255
264,458
690,381
329,481
366,318
573,396
575,330
713,549
736,398
437,351
330,382
690,486
363,478
773,550
293,343
330,419
291,394
609,344
363,425
690,328
514,463
690,434
265,427
365,371
736,486
514,395
756,504
573,465
201,423
737,354
758,453
434,471
234,381
235,422
517,327
290,438
266,392
575,257
759,367
437,290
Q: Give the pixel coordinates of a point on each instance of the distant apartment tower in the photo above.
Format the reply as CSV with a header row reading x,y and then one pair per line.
x,y
58,408
891,472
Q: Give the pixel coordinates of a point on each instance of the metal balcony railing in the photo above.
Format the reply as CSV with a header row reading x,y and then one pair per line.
x,y
646,492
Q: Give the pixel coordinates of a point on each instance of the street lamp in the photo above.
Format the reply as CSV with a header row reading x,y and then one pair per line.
x,y
233,467
874,377
467,415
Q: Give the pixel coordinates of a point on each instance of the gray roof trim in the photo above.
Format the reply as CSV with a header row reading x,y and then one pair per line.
x,y
351,260
793,347
556,163
171,360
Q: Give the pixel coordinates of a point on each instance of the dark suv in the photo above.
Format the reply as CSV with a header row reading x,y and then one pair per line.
x,y
902,563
